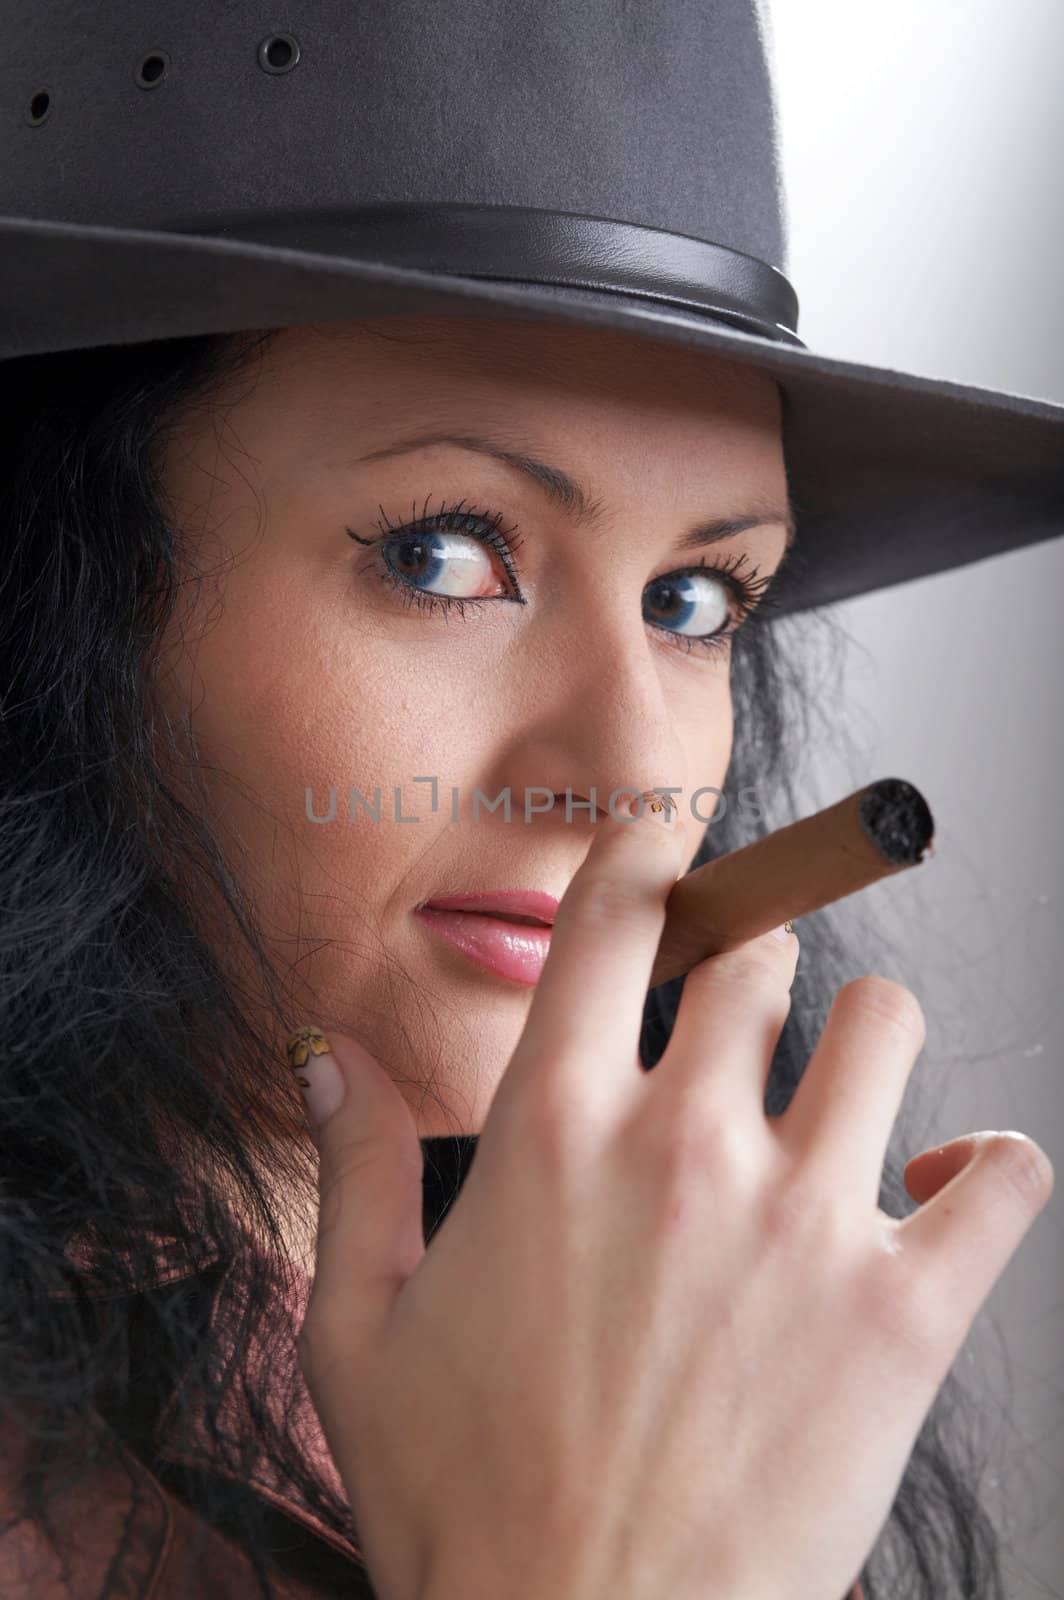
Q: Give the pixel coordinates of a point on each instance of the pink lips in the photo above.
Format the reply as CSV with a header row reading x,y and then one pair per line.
x,y
514,950
516,902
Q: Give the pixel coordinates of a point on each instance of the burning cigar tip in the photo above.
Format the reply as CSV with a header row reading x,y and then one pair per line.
x,y
898,820
882,828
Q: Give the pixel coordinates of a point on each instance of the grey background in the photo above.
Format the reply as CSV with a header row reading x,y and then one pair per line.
x,y
923,158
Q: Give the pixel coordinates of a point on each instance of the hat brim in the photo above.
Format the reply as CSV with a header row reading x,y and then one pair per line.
x,y
893,476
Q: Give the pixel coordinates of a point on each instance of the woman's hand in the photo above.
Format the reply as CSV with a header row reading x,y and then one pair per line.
x,y
662,1344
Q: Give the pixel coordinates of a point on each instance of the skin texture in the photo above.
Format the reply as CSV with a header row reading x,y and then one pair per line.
x,y
294,665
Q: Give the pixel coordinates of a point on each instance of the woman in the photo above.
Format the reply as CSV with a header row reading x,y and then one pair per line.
x,y
224,598
205,492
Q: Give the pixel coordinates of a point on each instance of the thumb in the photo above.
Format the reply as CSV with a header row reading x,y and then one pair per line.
x,y
370,1235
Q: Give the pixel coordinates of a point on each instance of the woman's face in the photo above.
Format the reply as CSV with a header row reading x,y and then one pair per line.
x,y
297,667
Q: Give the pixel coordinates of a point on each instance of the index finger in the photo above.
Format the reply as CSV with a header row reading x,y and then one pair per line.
x,y
588,1003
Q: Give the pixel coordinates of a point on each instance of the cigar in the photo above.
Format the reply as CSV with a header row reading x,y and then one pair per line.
x,y
876,831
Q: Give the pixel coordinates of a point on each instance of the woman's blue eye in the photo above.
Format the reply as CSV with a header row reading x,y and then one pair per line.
x,y
696,608
451,552
454,565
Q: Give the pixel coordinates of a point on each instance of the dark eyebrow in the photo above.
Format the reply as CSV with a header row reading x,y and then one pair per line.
x,y
574,499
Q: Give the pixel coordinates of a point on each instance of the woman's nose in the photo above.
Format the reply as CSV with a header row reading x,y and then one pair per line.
x,y
599,721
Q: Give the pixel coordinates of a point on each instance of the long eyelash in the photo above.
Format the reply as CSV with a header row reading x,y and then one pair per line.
x,y
747,586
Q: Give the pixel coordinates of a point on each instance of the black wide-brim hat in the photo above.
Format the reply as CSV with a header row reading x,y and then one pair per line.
x,y
180,169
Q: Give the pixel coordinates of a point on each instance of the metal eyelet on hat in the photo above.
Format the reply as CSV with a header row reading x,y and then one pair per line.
x,y
151,69
279,52
39,109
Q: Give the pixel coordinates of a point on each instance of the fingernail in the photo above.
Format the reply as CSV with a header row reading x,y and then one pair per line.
x,y
661,808
783,932
316,1072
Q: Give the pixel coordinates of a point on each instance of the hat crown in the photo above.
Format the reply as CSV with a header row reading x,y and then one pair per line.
x,y
659,113
213,167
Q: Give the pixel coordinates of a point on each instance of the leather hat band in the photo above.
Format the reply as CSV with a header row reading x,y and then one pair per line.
x,y
528,245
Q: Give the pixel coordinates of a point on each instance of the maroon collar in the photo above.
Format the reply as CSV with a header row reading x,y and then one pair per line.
x,y
181,1435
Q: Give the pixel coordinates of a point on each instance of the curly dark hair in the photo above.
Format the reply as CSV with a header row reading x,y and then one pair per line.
x,y
114,1132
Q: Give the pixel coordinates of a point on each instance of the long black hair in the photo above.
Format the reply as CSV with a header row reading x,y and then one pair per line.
x,y
115,1132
